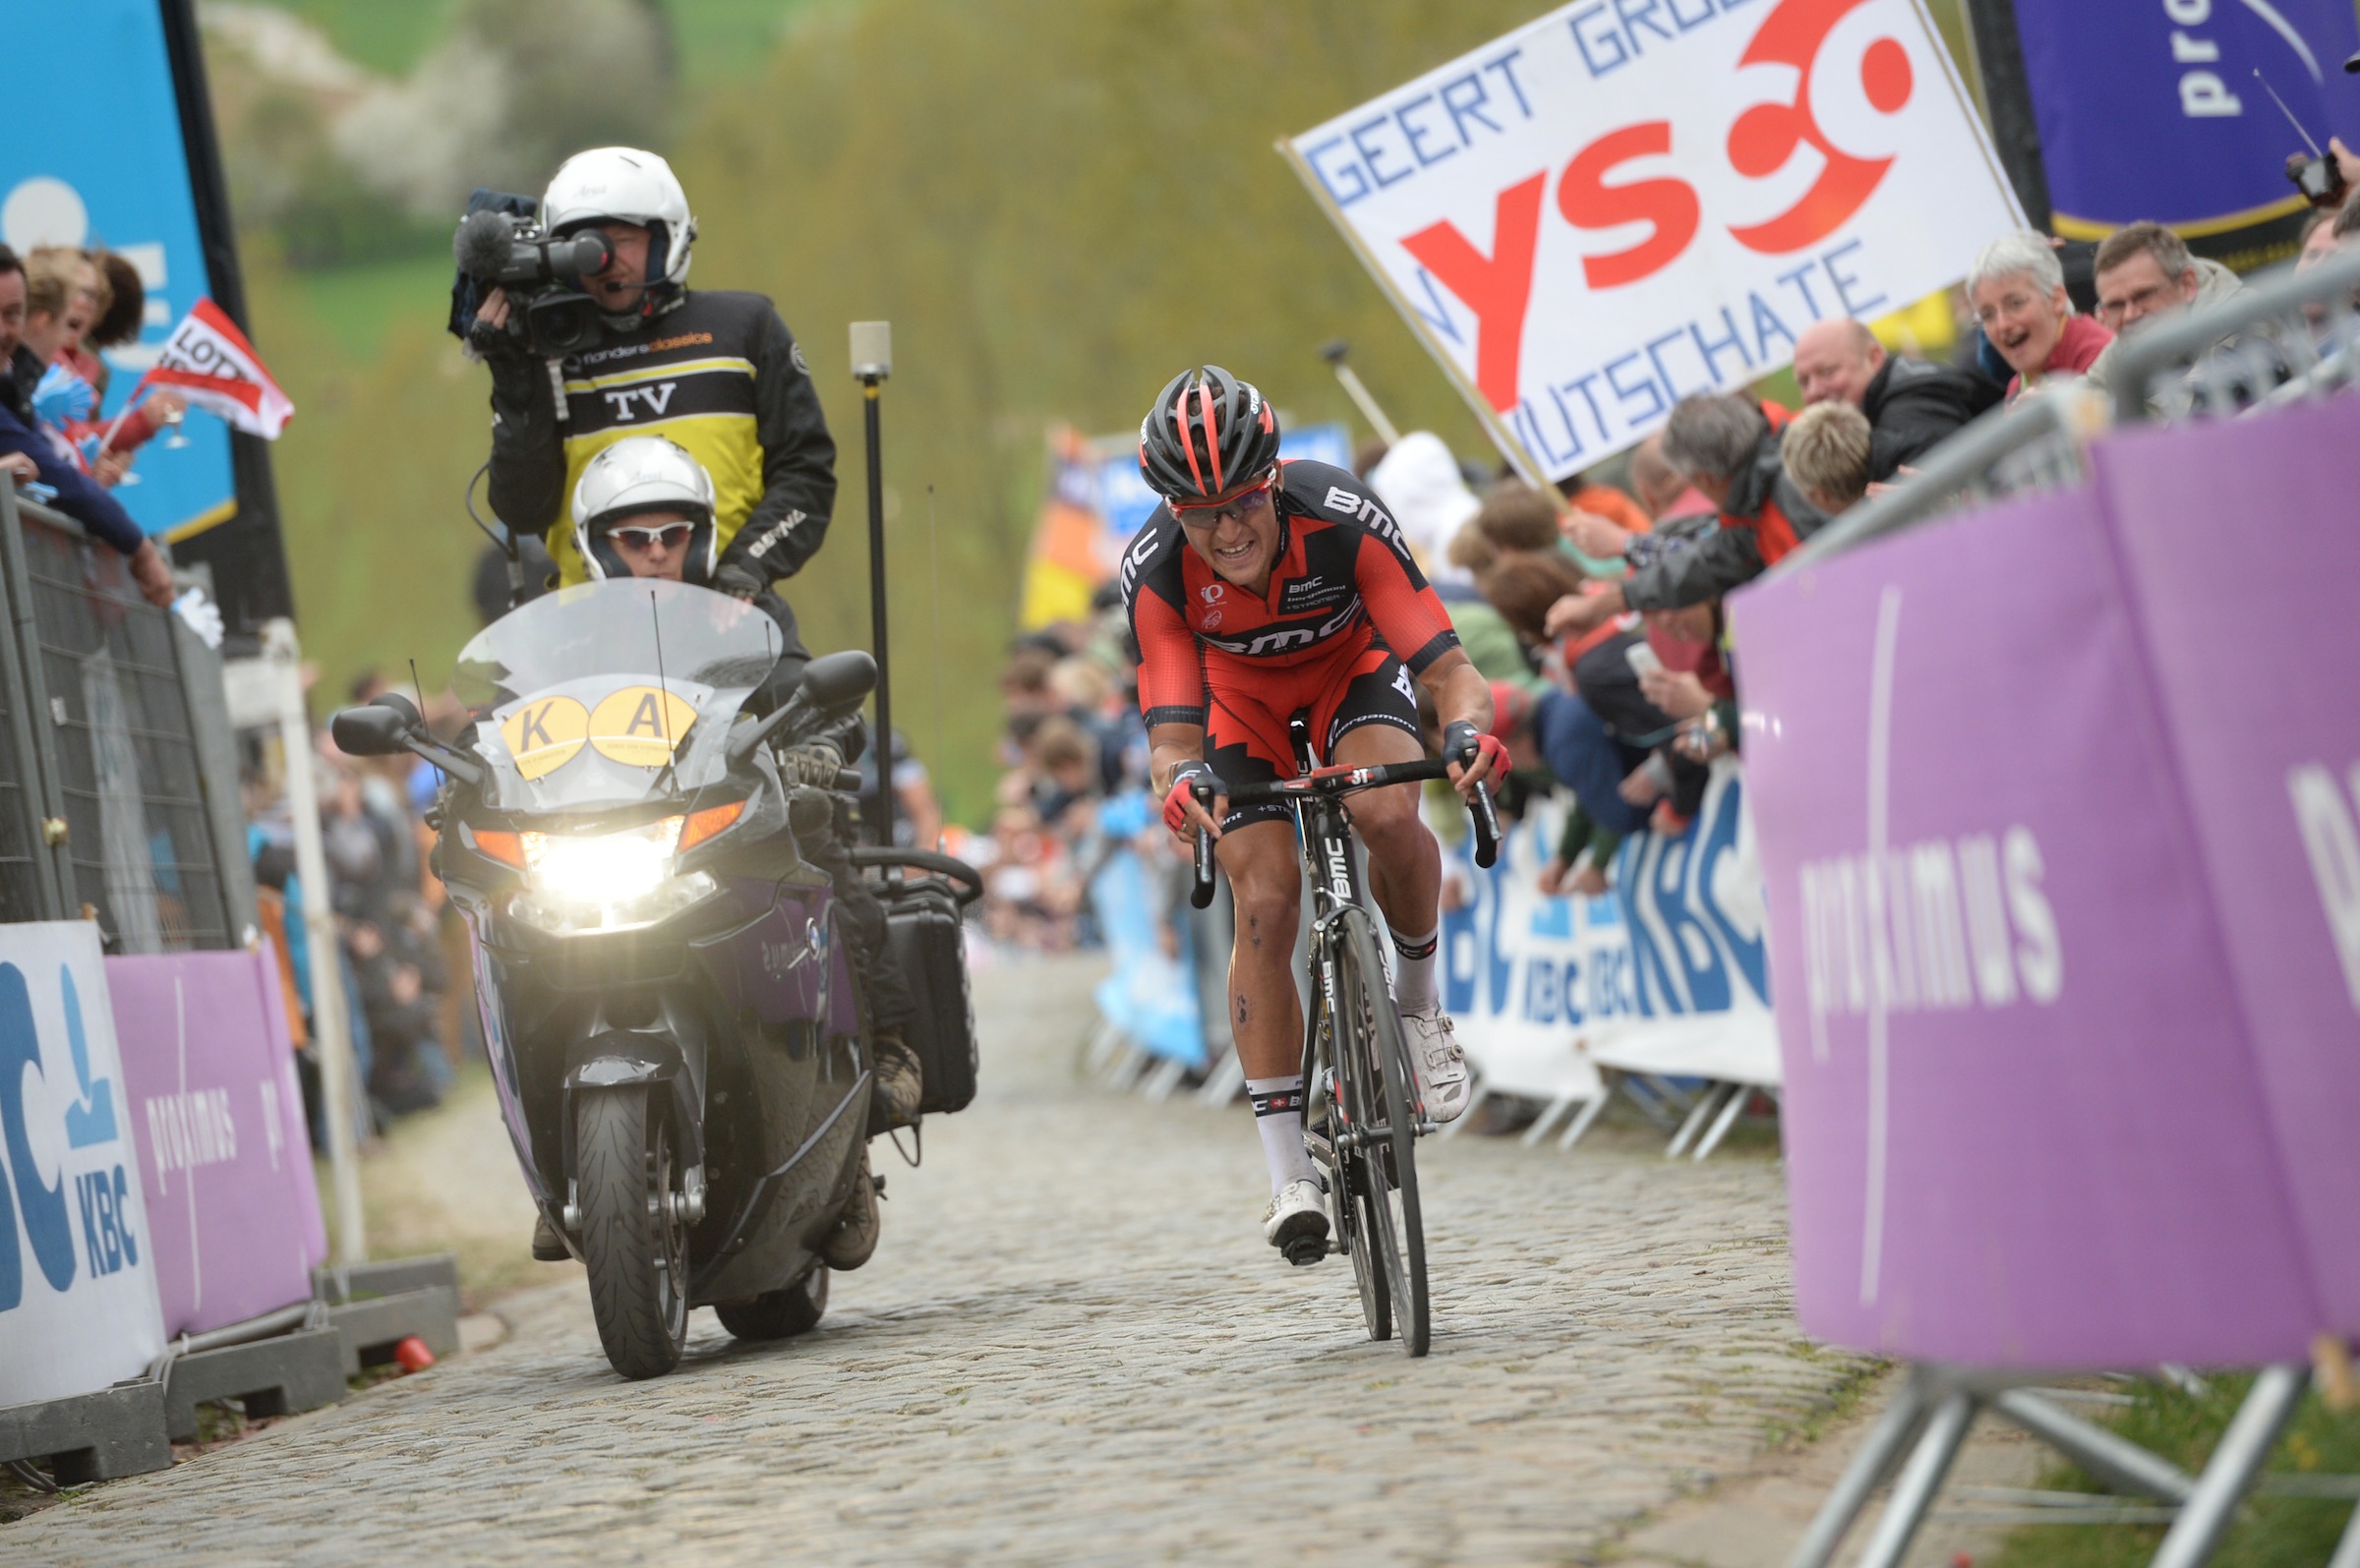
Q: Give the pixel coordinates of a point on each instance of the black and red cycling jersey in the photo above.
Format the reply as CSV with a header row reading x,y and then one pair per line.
x,y
1344,581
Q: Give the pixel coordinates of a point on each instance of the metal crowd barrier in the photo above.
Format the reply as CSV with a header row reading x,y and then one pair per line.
x,y
118,770
2289,338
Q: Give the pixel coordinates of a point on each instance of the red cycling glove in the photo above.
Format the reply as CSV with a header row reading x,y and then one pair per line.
x,y
1474,750
1182,791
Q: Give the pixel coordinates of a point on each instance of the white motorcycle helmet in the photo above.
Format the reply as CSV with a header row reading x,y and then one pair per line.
x,y
642,473
624,185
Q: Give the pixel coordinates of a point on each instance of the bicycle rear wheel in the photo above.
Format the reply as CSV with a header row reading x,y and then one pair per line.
x,y
1373,1063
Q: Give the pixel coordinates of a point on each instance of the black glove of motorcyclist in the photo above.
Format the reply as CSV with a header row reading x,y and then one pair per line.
x,y
737,582
814,764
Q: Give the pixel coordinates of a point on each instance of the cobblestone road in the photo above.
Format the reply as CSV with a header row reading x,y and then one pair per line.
x,y
1072,1348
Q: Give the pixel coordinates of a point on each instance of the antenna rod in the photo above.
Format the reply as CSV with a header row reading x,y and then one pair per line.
x,y
872,362
2290,113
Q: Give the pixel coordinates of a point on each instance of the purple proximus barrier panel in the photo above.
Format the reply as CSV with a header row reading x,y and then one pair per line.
x,y
216,1112
2025,1125
2238,546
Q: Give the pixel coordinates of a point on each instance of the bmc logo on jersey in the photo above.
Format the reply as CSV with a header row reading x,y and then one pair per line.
x,y
1364,510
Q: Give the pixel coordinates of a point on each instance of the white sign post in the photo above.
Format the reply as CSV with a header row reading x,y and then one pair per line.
x,y
1629,201
77,1296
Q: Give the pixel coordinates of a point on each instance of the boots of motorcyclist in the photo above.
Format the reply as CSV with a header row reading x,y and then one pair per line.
x,y
859,1225
899,1081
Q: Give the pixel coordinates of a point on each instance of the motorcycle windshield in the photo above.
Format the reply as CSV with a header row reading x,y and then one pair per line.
x,y
607,694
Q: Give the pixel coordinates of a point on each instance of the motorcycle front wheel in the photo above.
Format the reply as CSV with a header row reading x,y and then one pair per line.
x,y
635,1243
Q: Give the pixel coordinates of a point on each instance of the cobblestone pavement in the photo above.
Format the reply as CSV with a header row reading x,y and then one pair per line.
x,y
1074,1348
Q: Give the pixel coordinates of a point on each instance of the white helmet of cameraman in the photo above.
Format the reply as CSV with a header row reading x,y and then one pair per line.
x,y
624,185
642,473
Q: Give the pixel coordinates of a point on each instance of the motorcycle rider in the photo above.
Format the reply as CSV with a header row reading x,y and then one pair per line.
x,y
645,507
716,371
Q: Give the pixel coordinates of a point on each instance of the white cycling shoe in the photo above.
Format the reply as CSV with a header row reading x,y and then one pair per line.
x,y
1442,1065
1296,1222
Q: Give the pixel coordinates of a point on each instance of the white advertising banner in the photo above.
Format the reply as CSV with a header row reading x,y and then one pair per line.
x,y
1629,201
1524,974
77,1296
1668,975
1696,921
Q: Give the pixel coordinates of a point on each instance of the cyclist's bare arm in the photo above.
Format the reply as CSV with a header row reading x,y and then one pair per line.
x,y
1460,693
1170,745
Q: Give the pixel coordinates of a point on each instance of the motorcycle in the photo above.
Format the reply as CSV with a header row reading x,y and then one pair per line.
x,y
665,986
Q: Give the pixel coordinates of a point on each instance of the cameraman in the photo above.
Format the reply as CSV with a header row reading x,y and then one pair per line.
x,y
717,373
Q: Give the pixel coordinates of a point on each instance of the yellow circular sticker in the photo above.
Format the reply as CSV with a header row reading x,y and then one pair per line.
x,y
640,726
544,734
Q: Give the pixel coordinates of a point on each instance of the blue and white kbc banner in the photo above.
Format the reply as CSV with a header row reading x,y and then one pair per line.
x,y
78,1297
94,159
1667,975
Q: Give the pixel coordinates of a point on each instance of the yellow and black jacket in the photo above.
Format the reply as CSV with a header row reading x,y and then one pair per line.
x,y
718,373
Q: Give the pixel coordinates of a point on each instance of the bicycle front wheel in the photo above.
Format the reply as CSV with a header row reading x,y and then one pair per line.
x,y
1374,1061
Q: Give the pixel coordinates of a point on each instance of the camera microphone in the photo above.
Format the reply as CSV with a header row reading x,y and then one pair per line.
x,y
482,245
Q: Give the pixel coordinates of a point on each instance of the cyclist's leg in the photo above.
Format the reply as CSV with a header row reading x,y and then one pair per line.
x,y
1246,741
1373,719
1368,719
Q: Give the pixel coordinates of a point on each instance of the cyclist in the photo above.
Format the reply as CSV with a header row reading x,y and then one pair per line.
x,y
1258,591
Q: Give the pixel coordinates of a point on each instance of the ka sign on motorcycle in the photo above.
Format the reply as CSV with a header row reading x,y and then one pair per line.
x,y
1629,201
77,1296
638,726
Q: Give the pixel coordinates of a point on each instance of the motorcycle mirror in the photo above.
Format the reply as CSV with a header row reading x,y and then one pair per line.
x,y
377,729
839,680
399,704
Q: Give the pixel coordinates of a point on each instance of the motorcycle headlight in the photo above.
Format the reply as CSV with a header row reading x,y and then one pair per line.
x,y
578,882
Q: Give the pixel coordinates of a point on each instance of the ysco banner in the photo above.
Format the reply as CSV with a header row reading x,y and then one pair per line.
x,y
2161,109
77,1301
218,1114
1622,202
2068,912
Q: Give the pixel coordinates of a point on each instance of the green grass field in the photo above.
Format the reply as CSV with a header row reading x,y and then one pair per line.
x,y
2272,1532
718,39
359,305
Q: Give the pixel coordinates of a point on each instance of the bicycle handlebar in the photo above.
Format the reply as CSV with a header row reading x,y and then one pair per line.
x,y
1338,782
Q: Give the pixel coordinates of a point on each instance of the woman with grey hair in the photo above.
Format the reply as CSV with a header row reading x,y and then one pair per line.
x,y
2017,289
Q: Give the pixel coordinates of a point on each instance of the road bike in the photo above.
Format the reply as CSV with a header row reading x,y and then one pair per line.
x,y
1363,1113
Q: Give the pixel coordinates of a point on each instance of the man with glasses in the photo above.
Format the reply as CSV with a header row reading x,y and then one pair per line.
x,y
2146,274
1258,591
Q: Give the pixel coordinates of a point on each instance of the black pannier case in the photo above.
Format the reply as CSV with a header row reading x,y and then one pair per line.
x,y
924,943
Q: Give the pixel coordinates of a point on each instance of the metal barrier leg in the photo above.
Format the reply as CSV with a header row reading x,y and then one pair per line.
x,y
1229,1077
1913,1493
1589,1117
2114,1461
2347,1550
1739,1094
1163,1078
1706,1103
2229,1474
1548,1119
1885,1442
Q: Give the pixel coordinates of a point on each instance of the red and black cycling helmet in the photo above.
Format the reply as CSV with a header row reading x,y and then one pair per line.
x,y
1208,431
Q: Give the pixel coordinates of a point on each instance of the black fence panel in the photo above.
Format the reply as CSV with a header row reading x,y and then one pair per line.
x,y
111,720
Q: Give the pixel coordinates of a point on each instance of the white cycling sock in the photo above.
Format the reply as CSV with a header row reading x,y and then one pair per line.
x,y
1413,971
1278,1118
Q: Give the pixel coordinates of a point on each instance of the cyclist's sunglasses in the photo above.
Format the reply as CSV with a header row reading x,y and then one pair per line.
x,y
1203,514
672,536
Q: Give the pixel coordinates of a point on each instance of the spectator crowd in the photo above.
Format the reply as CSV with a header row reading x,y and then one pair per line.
x,y
1595,608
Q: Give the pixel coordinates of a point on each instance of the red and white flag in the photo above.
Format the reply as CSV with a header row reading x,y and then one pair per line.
x,y
209,359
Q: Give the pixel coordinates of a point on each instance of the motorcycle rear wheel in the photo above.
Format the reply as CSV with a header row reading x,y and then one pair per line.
x,y
781,1313
635,1243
